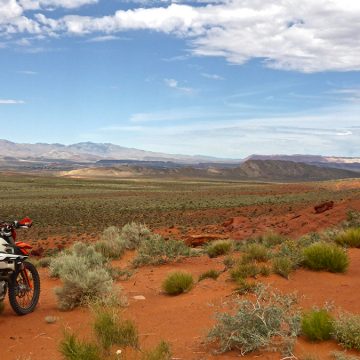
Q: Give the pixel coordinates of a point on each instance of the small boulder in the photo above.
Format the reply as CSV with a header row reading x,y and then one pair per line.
x,y
325,206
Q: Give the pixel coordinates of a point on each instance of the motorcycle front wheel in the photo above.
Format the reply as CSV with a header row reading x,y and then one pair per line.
x,y
24,289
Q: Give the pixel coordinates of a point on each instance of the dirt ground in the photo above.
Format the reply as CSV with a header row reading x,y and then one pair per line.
x,y
184,320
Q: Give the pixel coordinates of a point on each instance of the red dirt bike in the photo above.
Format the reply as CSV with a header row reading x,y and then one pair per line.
x,y
17,275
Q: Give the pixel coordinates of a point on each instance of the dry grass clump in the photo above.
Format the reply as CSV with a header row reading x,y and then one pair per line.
x,y
349,238
271,239
219,247
245,286
210,274
133,234
317,325
282,266
74,349
347,330
178,282
270,320
110,330
155,250
161,352
244,270
328,257
45,261
256,252
111,245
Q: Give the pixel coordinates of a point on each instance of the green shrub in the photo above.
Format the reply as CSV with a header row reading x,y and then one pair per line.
x,y
111,245
155,250
350,238
177,283
328,257
210,274
73,349
256,252
110,330
133,234
242,271
317,325
160,352
219,247
282,266
271,320
347,330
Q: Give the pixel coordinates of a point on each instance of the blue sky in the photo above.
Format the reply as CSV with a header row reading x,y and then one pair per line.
x,y
221,78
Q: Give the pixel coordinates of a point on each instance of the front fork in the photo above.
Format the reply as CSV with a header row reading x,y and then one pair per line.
x,y
21,269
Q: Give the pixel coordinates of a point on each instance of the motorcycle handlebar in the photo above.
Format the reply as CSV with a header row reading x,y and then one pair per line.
x,y
24,223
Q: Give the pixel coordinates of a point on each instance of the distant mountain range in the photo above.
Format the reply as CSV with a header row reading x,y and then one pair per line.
x,y
87,152
261,170
114,159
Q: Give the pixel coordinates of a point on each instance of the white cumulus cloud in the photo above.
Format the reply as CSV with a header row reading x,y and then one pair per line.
x,y
301,35
11,102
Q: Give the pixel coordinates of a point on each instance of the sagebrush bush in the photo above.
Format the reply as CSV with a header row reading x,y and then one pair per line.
x,y
328,257
83,286
317,325
293,250
270,320
210,274
133,234
177,283
161,352
350,238
256,252
74,349
111,245
85,275
219,247
110,330
352,218
282,266
155,250
347,330
66,261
